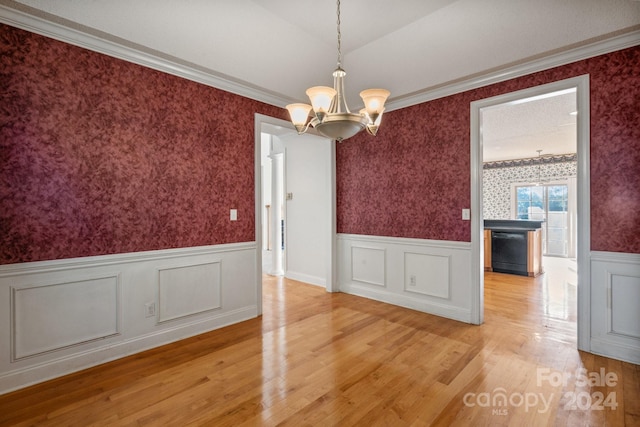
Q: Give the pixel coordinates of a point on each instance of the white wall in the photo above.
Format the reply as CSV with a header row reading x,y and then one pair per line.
x,y
307,222
66,315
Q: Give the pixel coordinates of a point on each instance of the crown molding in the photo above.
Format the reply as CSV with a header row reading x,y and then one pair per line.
x,y
118,48
590,50
532,161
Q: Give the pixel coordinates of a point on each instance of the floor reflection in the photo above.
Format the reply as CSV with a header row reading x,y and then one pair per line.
x,y
559,284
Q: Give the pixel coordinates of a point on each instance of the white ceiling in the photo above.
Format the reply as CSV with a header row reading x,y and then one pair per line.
x,y
282,47
516,130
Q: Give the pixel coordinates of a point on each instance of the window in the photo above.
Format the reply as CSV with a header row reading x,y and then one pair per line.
x,y
548,203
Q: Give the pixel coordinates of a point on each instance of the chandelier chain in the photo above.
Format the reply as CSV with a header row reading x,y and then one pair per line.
x,y
339,37
330,115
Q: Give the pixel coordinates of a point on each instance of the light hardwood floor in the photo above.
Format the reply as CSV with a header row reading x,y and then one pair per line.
x,y
320,359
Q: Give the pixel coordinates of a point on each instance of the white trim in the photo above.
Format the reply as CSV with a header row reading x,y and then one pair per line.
x,y
617,257
8,270
591,50
431,307
257,178
606,348
583,244
306,278
581,83
332,260
443,244
477,220
136,55
174,66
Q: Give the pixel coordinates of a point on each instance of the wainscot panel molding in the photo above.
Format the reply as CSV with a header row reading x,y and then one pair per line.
x,y
615,292
427,275
186,290
368,265
62,316
45,317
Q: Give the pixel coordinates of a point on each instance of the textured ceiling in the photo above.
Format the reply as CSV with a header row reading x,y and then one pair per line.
x,y
282,47
517,130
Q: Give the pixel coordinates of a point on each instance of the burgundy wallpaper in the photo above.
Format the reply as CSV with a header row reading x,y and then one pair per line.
x,y
101,156
413,179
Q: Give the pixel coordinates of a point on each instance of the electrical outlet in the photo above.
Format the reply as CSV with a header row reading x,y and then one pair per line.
x,y
412,280
150,309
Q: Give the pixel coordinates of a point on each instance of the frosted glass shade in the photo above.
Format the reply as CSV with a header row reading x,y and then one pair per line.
x,y
374,100
299,113
321,97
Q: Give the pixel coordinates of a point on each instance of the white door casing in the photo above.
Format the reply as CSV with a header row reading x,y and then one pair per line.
x,y
581,84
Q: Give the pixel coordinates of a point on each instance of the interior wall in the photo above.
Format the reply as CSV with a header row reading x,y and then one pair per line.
x,y
116,184
102,156
413,179
308,180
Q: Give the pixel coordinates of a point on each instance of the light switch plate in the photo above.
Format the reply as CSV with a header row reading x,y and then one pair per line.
x,y
466,214
233,215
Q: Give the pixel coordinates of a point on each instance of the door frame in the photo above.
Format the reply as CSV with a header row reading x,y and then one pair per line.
x,y
581,84
330,257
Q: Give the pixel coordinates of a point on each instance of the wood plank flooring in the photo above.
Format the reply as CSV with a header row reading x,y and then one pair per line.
x,y
320,359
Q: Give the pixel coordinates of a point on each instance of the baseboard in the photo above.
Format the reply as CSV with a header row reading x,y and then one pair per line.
x,y
615,351
454,313
306,278
79,361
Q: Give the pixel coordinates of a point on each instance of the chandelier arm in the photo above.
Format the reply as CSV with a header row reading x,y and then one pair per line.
x,y
305,128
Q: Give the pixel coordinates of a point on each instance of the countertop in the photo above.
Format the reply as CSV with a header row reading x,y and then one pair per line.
x,y
512,225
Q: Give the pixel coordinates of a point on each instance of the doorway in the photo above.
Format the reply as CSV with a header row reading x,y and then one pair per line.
x,y
580,86
302,228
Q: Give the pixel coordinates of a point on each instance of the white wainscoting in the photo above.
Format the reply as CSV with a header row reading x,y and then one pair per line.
x,y
615,300
45,317
62,316
427,275
189,289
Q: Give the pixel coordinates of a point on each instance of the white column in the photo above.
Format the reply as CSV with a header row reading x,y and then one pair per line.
x,y
277,191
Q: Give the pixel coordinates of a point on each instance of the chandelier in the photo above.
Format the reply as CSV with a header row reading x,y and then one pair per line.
x,y
331,116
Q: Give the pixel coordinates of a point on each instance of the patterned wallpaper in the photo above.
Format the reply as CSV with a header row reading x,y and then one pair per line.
x,y
413,179
101,156
496,184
